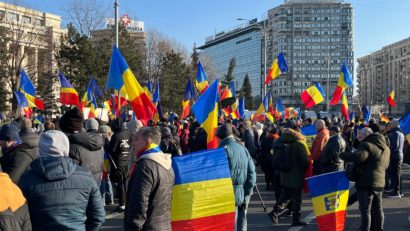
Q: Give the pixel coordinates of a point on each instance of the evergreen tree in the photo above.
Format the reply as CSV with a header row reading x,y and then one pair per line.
x,y
5,71
228,77
246,92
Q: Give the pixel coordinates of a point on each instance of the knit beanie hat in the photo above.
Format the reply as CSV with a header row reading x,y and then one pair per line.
x,y
104,129
9,132
71,121
92,124
224,131
53,143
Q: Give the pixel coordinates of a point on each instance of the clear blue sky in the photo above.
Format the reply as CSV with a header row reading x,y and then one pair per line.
x,y
376,22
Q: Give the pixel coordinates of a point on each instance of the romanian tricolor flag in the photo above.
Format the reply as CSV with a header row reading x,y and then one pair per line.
x,y
278,67
280,109
229,92
203,197
405,126
93,108
263,107
313,95
345,107
351,117
345,81
367,113
68,95
390,99
121,76
201,82
241,107
186,101
329,193
27,87
148,89
206,113
310,134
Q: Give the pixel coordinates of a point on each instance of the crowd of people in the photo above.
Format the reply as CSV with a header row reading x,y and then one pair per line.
x,y
60,176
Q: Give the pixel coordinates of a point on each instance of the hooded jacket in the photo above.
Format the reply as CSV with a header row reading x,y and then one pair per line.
x,y
62,196
396,138
149,194
87,150
329,158
29,137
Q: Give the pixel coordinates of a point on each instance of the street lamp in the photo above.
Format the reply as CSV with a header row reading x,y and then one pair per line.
x,y
263,31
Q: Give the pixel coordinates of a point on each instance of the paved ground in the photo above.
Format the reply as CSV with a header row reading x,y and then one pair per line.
x,y
396,212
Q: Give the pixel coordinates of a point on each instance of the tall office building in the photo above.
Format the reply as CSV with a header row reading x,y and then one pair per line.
x,y
244,43
383,71
316,37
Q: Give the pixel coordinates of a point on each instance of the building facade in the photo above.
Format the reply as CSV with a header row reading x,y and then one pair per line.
x,y
32,40
245,44
316,37
383,71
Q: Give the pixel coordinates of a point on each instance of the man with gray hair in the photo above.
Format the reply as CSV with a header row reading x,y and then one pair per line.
x,y
148,203
371,159
318,144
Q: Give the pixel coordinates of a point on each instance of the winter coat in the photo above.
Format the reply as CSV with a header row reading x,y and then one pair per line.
x,y
17,160
372,159
319,143
329,158
62,196
14,215
295,177
197,140
149,194
29,137
396,138
242,169
249,139
170,145
184,140
119,148
266,151
87,149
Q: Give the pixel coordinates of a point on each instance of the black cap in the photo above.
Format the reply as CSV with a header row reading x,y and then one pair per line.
x,y
224,131
9,132
335,129
72,121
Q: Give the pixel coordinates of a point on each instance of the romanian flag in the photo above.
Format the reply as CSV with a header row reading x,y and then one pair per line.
x,y
230,92
329,193
278,67
263,107
38,120
351,117
21,99
345,81
241,108
27,87
90,95
186,101
366,113
405,126
201,79
155,97
93,108
158,115
280,109
121,76
203,197
148,89
310,134
345,107
390,99
206,113
68,95
384,118
313,95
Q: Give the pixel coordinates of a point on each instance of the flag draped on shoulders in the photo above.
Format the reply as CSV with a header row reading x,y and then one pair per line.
x,y
120,76
206,113
202,197
390,99
201,82
345,81
313,95
278,67
68,95
27,87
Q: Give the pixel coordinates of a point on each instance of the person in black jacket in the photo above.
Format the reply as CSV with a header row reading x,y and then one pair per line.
x,y
119,149
150,186
85,148
329,160
168,143
28,136
17,156
61,195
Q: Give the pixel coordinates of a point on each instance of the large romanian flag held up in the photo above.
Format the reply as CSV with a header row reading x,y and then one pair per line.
x,y
345,81
186,101
203,198
68,95
27,87
201,82
205,110
120,76
405,126
313,95
390,99
345,107
278,67
329,193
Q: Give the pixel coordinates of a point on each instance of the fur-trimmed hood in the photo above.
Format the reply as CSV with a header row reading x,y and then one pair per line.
x,y
289,135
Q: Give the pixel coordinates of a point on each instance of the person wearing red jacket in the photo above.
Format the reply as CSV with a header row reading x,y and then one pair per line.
x,y
318,144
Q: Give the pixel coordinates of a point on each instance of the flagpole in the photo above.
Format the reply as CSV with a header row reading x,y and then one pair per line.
x,y
116,22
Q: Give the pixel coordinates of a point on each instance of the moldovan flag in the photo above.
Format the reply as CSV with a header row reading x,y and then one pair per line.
x,y
201,82
27,87
345,107
345,81
202,198
390,99
405,126
186,101
278,67
313,95
68,95
120,76
329,193
206,113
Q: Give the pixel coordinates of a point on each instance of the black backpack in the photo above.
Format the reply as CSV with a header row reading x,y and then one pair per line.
x,y
282,157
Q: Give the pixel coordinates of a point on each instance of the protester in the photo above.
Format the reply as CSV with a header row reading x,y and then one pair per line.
x,y
242,172
293,144
266,156
61,195
329,160
150,186
168,144
197,138
184,137
371,159
396,138
106,185
16,155
14,214
49,125
86,148
28,136
318,144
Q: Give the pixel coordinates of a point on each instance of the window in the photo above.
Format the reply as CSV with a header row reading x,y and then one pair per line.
x,y
13,17
26,20
38,22
2,14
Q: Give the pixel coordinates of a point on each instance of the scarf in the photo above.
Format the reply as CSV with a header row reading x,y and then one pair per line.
x,y
151,148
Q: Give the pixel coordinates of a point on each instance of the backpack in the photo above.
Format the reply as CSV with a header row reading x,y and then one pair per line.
x,y
282,157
